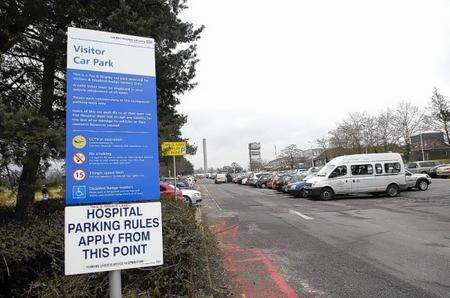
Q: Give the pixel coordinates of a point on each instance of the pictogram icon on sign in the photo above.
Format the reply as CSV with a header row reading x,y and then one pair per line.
x,y
79,142
79,158
79,175
79,192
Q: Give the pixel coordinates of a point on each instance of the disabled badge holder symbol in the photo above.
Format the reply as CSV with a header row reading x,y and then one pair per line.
x,y
79,192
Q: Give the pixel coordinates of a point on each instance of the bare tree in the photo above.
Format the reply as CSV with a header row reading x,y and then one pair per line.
x,y
440,113
349,133
236,167
292,155
369,133
408,121
385,129
323,144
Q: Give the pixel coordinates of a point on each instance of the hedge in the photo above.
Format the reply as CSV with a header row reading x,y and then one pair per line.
x,y
32,258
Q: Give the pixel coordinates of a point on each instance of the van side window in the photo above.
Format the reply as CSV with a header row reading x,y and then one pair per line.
x,y
339,171
412,166
392,167
378,168
362,170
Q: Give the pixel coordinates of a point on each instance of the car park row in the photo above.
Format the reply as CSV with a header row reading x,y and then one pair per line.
x,y
184,190
375,174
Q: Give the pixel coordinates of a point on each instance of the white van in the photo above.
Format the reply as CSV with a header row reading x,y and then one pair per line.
x,y
360,173
220,178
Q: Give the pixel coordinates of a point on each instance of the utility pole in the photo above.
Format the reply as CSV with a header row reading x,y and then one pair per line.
x,y
205,158
421,145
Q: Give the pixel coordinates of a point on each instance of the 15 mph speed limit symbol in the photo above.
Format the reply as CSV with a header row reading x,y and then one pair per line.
x,y
79,175
79,158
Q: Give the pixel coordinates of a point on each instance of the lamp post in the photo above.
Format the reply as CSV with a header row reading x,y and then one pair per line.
x,y
421,145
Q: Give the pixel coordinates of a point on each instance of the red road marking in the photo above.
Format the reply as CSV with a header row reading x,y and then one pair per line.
x,y
279,280
252,272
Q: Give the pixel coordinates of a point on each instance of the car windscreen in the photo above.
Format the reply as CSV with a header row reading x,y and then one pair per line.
x,y
326,170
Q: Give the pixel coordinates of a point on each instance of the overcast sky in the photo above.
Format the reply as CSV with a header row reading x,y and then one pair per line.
x,y
284,72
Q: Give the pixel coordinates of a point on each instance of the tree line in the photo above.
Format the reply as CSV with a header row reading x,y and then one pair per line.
x,y
390,129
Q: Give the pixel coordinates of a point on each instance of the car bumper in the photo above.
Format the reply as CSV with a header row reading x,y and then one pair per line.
x,y
312,191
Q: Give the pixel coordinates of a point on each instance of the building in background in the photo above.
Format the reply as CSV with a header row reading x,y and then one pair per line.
x,y
311,156
429,145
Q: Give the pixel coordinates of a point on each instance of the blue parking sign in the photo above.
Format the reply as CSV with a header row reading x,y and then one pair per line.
x,y
111,130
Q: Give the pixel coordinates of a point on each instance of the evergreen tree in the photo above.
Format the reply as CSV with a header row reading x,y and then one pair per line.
x,y
33,62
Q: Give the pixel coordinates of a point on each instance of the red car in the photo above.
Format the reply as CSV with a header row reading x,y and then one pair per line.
x,y
167,191
272,178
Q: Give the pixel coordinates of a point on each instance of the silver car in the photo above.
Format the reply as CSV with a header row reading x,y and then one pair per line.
x,y
419,181
423,166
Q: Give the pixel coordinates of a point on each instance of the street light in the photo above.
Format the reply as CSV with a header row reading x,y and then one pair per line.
x,y
421,144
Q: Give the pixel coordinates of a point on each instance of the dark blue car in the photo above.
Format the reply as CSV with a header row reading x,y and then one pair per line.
x,y
297,189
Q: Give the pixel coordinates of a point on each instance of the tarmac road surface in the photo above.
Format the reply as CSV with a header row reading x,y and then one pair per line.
x,y
277,246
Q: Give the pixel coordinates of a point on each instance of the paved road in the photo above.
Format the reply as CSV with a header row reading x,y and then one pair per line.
x,y
348,247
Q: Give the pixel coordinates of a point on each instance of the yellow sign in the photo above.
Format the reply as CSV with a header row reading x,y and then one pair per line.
x,y
173,148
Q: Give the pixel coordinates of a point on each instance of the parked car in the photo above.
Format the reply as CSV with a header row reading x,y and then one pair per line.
x,y
271,180
361,173
433,171
167,191
418,181
277,184
220,178
244,180
262,181
423,167
191,196
282,181
253,179
238,178
310,172
297,189
229,177
289,181
444,171
181,184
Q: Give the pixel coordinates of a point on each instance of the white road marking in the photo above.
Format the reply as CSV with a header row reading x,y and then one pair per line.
x,y
209,196
300,214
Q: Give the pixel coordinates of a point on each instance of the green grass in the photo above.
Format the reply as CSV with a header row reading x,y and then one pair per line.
x,y
8,197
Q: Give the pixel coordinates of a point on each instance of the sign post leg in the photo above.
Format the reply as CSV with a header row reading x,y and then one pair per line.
x,y
175,176
115,284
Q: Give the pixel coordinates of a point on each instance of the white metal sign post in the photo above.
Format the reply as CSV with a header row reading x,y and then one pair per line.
x,y
113,214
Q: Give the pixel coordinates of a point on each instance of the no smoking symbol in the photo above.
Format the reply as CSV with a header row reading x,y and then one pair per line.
x,y
79,158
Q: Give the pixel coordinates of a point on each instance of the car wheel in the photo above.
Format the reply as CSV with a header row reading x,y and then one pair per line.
x,y
326,194
304,194
392,190
422,185
187,200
